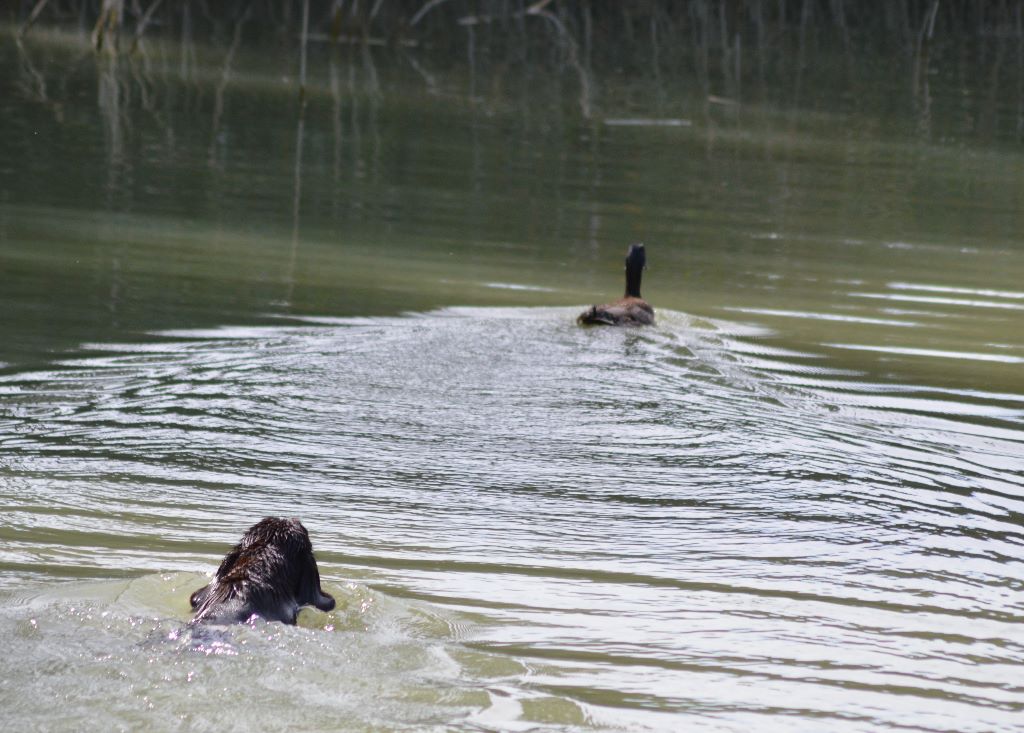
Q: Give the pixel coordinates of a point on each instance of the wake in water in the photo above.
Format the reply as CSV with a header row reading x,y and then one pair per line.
x,y
612,528
376,660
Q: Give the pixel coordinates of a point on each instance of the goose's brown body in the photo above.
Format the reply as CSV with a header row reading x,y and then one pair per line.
x,y
623,312
629,310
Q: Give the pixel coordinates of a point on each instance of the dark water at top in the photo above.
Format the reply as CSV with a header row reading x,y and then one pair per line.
x,y
793,504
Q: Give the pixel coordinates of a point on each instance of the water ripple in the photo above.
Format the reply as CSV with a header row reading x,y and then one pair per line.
x,y
611,507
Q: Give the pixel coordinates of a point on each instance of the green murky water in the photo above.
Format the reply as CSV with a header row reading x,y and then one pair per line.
x,y
794,504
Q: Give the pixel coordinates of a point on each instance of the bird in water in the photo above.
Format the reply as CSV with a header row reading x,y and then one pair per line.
x,y
629,310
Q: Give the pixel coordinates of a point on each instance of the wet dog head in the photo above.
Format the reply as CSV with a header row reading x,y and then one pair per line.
x,y
271,572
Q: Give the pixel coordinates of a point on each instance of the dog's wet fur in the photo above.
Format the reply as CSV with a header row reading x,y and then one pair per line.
x,y
271,573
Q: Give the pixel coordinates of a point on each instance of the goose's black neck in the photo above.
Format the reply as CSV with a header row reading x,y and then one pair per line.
x,y
636,260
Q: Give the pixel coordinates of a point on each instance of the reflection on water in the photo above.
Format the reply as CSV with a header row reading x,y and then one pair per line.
x,y
794,504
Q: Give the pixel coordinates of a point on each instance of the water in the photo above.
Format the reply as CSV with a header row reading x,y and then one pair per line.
x,y
793,504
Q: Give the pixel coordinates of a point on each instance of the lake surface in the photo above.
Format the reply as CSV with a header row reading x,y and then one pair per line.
x,y
794,504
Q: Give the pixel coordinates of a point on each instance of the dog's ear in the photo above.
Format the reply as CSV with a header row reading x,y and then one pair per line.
x,y
198,598
309,590
229,561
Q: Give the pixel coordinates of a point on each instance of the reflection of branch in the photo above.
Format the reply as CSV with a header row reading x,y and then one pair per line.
x,y
424,10
32,17
574,56
39,82
225,76
34,85
144,80
537,7
373,12
371,71
537,10
143,22
427,76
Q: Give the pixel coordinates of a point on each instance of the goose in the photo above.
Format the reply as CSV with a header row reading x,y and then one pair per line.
x,y
629,310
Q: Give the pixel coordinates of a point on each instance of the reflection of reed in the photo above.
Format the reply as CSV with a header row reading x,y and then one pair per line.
x,y
225,77
188,48
300,132
1020,74
109,98
921,90
721,43
358,164
774,60
302,52
336,125
373,106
